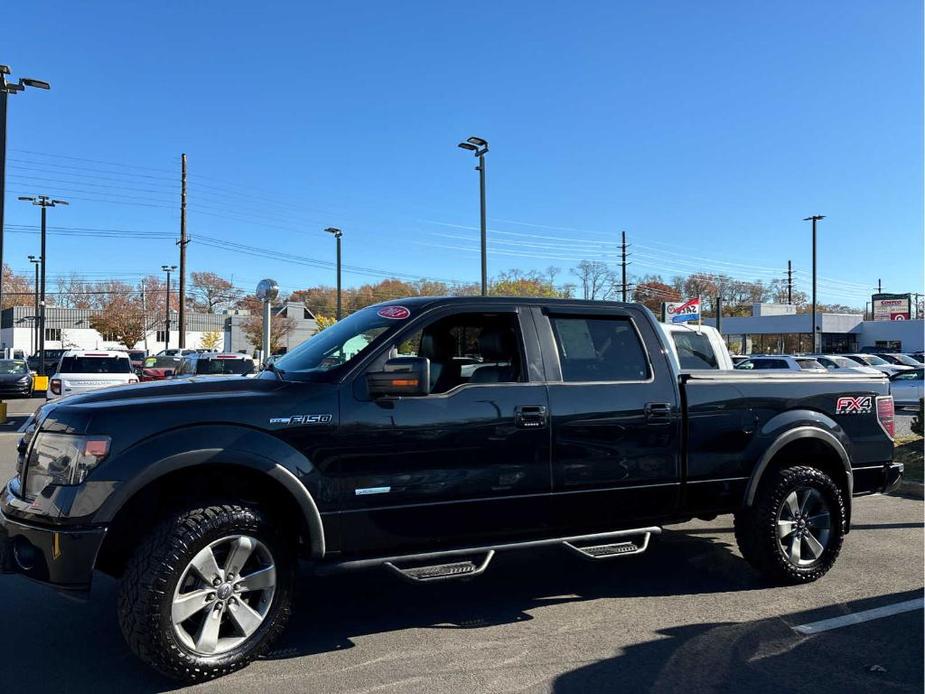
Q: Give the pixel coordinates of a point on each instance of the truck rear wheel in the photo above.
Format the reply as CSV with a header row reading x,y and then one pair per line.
x,y
795,529
207,591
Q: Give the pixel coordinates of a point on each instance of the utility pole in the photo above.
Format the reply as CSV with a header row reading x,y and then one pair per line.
x,y
35,314
623,264
168,269
44,202
789,283
814,218
479,149
182,243
879,287
144,313
7,88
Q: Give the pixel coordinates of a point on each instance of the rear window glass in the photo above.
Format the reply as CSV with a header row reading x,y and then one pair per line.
x,y
95,365
809,364
599,349
769,364
694,350
223,366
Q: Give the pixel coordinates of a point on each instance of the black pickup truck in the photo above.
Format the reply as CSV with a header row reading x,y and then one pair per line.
x,y
420,437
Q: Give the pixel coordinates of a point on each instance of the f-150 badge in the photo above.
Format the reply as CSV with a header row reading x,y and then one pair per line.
x,y
303,419
860,405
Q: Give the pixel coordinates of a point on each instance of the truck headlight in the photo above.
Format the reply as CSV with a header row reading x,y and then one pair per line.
x,y
62,459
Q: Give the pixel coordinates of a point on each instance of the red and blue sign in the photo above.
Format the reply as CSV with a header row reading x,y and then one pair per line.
x,y
683,311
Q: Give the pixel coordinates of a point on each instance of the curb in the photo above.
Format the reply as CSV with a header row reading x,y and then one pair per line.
x,y
909,488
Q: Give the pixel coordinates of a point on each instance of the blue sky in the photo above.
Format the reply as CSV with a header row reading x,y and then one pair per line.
x,y
706,130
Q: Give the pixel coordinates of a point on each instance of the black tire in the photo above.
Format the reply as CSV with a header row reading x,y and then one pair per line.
x,y
147,589
756,527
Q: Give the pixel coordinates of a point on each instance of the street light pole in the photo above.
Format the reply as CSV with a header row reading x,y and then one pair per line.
x,y
337,235
479,148
168,269
814,218
44,202
7,88
35,315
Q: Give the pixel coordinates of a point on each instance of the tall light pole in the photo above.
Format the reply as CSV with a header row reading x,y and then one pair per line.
x,y
337,235
168,269
479,148
814,218
7,88
44,202
35,315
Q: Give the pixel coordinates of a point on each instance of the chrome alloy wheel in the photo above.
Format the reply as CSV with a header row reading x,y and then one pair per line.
x,y
804,524
224,595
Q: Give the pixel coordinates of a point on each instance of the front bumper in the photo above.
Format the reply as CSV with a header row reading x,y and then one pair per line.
x,y
63,557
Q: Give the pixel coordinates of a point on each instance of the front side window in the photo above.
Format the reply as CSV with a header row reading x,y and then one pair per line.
x,y
95,365
599,349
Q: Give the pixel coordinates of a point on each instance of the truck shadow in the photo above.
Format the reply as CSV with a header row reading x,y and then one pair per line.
x,y
63,645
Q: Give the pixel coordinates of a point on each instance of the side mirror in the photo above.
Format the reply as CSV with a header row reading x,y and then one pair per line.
x,y
400,376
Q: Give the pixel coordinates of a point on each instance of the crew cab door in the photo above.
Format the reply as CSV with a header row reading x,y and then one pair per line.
x,y
615,416
464,464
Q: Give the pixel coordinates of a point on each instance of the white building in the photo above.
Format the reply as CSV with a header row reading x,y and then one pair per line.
x,y
69,328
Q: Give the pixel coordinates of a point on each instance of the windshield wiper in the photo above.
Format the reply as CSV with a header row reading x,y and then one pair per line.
x,y
278,371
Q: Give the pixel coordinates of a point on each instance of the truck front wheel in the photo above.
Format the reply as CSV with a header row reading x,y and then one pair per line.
x,y
207,592
795,529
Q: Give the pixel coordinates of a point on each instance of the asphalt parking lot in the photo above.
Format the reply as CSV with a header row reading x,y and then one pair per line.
x,y
688,615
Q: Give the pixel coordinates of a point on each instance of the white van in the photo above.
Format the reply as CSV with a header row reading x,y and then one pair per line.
x,y
80,371
696,347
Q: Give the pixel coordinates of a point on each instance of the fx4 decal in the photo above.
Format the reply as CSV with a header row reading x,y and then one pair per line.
x,y
303,419
859,405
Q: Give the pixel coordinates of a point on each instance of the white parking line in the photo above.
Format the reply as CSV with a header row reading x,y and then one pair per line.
x,y
858,617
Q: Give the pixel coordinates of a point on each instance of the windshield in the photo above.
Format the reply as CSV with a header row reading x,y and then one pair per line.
x,y
12,367
162,362
874,360
843,362
95,365
223,366
905,359
342,342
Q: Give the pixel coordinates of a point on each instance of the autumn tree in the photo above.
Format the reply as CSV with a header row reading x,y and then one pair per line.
x,y
17,290
211,339
652,291
322,322
211,292
280,328
517,283
121,318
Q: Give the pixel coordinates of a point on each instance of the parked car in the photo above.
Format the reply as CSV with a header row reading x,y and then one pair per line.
x,y
159,368
781,362
81,370
836,362
576,431
137,357
700,347
737,359
215,364
919,357
52,357
899,359
15,378
908,387
877,363
174,352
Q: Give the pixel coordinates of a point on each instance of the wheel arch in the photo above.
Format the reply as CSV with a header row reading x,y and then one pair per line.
x,y
806,445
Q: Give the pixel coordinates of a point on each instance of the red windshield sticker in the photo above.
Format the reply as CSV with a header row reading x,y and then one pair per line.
x,y
393,312
860,405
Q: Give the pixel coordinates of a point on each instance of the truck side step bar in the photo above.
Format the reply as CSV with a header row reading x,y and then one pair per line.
x,y
442,572
472,561
624,548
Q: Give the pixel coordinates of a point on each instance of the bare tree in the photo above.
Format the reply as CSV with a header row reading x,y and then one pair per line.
x,y
595,280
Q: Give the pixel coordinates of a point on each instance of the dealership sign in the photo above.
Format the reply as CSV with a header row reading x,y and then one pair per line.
x,y
682,311
892,306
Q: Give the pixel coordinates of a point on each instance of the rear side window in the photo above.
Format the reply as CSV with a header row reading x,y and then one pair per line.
x,y
599,349
95,365
770,364
694,350
223,366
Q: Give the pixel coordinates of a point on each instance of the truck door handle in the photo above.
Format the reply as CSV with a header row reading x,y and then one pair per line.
x,y
658,411
530,416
